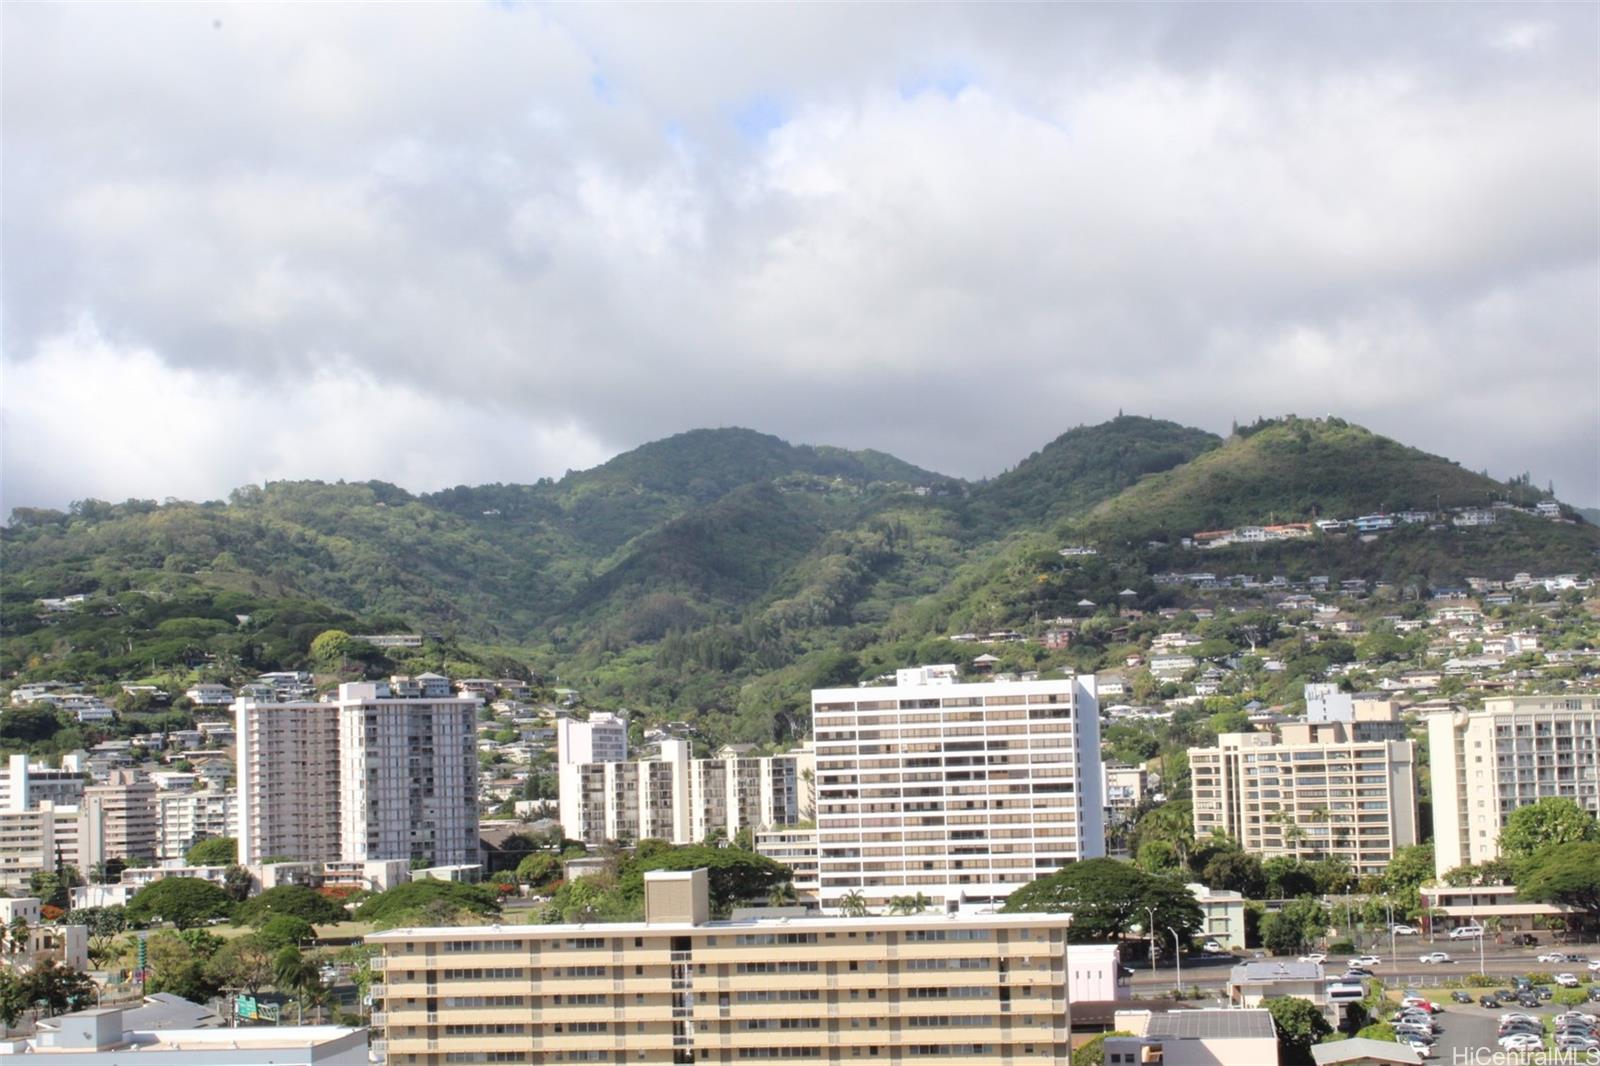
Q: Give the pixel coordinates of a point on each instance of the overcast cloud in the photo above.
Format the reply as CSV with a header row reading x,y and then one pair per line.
x,y
450,244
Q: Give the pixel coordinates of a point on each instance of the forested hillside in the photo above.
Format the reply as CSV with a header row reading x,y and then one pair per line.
x,y
719,574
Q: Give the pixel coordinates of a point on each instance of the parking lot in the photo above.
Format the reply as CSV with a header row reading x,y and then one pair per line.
x,y
1467,1035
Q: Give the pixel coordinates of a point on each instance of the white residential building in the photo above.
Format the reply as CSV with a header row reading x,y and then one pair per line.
x,y
963,792
25,784
601,738
185,817
408,772
35,839
1517,750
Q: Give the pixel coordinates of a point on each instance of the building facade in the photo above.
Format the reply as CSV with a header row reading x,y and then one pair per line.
x,y
678,988
119,820
24,784
408,766
683,800
1517,750
1314,792
287,774
962,792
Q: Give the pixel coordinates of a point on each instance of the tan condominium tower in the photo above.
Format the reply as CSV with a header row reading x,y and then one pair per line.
x,y
1517,750
960,792
681,988
1317,790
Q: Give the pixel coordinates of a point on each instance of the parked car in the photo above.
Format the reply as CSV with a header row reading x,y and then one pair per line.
x,y
1576,1042
1525,940
1544,993
1461,997
1528,999
1594,967
1489,1001
1467,932
1567,980
1521,1042
1575,1016
1594,994
1435,957
1212,946
1404,930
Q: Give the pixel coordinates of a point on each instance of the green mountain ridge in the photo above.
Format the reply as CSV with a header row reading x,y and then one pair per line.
x,y
721,573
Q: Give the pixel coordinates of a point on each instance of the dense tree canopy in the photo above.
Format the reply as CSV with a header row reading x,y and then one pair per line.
x,y
214,851
1300,1025
1108,898
429,902
1568,873
1552,820
297,901
184,901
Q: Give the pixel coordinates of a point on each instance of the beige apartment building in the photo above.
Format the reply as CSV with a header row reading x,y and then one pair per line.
x,y
1316,790
37,838
288,780
119,820
1517,750
680,988
963,792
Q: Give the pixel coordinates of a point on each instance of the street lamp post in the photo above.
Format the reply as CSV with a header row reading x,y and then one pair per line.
x,y
1177,961
1394,957
1150,933
1481,939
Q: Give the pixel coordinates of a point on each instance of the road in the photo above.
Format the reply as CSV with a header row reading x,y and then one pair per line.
x,y
1210,974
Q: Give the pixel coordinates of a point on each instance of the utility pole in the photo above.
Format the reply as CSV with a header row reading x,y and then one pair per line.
x,y
1150,932
1177,961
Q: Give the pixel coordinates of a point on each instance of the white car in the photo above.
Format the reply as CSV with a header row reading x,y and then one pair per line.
x,y
1366,960
1435,956
1552,956
1315,956
1594,967
1404,930
1212,946
1567,980
1521,1042
1467,932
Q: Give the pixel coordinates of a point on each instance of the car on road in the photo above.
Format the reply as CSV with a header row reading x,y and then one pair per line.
x,y
1357,974
1366,960
1552,956
1567,980
1521,1042
1467,932
1315,956
1403,930
1595,966
1435,957
1489,1001
1461,997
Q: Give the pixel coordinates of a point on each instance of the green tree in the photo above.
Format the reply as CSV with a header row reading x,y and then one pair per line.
x,y
213,851
1377,1031
178,963
1093,1051
447,900
184,901
244,962
1107,898
1236,871
733,874
237,883
1410,868
1300,1025
1552,820
1288,878
58,988
1289,931
910,904
1568,873
285,930
297,901
14,997
330,647
853,904
539,870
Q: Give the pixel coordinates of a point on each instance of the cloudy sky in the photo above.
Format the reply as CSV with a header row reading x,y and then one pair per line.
x,y
453,243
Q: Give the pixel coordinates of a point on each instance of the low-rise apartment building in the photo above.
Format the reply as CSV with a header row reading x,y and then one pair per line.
x,y
1517,750
680,988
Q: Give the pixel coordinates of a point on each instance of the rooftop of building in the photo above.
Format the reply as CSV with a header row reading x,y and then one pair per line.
x,y
1363,1050
1271,970
1207,1023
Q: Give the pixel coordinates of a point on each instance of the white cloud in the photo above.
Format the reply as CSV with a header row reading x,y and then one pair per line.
x,y
567,219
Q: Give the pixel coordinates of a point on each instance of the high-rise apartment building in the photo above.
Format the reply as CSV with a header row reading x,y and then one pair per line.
x,y
119,820
184,817
38,838
1333,788
388,770
581,743
408,767
288,780
681,988
1517,750
963,792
